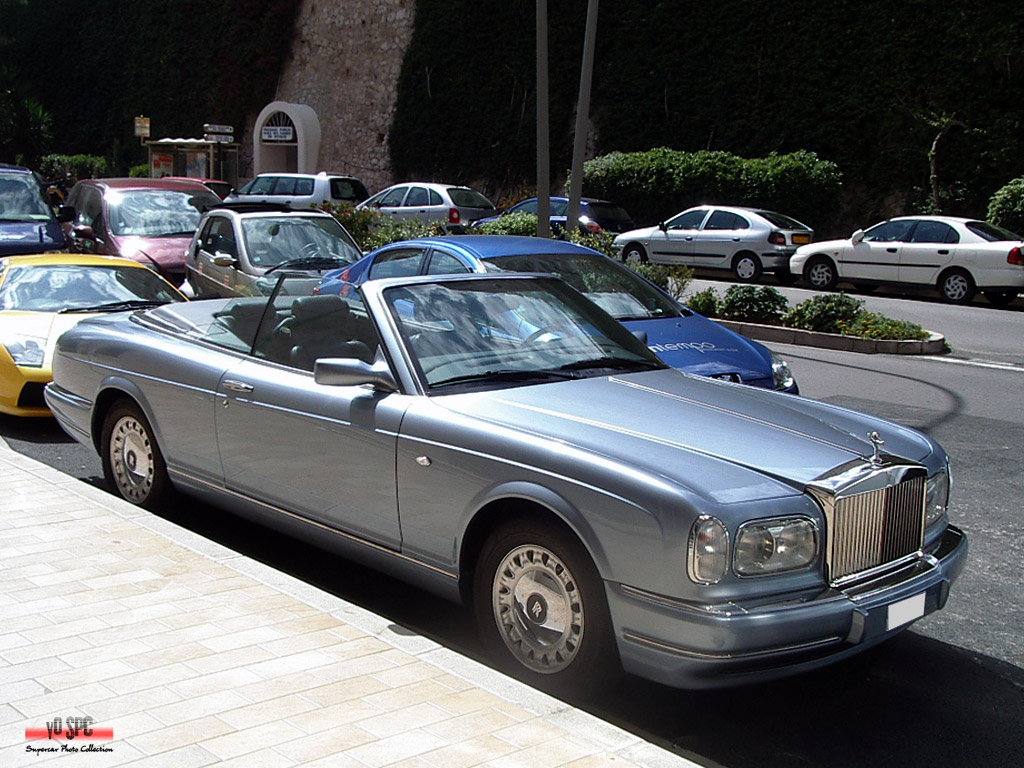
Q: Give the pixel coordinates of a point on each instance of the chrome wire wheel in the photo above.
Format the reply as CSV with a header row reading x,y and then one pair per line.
x,y
131,459
537,608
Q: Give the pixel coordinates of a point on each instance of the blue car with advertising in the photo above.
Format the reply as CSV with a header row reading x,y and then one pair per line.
x,y
27,223
681,337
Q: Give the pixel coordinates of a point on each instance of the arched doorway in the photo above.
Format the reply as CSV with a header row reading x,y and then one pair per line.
x,y
286,139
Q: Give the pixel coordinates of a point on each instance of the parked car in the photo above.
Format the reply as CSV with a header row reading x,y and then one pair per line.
x,y
27,223
43,295
302,190
681,337
453,206
957,256
147,220
595,215
238,247
219,187
744,241
530,457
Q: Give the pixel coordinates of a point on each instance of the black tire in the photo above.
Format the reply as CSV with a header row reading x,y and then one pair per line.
x,y
541,609
1000,298
133,465
956,286
747,267
820,273
634,253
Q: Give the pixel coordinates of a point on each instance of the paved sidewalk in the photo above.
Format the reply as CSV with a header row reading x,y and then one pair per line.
x,y
194,655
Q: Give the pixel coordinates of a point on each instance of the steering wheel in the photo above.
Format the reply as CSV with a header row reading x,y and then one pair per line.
x,y
546,329
310,251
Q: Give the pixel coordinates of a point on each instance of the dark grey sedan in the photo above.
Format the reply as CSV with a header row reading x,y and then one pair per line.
x,y
503,441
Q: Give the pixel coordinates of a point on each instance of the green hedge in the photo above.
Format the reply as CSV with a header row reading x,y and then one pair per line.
x,y
1006,208
658,183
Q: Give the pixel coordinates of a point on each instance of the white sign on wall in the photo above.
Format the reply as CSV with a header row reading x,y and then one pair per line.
x,y
278,133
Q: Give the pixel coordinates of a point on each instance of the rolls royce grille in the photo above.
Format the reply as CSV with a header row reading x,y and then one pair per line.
x,y
869,529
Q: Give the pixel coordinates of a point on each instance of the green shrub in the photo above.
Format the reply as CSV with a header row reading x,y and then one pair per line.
x,y
870,325
1006,208
658,183
753,304
827,312
73,167
599,241
671,278
140,171
360,224
513,224
390,231
705,302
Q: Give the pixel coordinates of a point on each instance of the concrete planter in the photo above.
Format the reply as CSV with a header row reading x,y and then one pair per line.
x,y
935,344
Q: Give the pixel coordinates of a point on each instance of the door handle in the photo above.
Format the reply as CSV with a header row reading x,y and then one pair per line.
x,y
237,386
891,250
944,251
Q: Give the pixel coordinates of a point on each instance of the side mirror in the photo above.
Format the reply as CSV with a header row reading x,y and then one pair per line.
x,y
222,259
66,214
662,227
641,335
350,372
857,236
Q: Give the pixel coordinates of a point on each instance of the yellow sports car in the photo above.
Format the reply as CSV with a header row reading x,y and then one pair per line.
x,y
42,296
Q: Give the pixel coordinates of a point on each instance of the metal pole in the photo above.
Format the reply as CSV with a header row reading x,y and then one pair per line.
x,y
543,150
572,215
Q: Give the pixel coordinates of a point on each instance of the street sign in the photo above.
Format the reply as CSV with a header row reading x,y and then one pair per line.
x,y
142,127
217,128
220,138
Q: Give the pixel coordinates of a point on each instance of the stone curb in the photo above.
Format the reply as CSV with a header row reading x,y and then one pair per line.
x,y
935,344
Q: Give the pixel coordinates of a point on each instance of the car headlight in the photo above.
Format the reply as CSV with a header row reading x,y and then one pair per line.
x,y
773,546
27,351
936,497
781,375
708,550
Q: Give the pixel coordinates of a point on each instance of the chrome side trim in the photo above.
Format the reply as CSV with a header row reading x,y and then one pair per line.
x,y
303,519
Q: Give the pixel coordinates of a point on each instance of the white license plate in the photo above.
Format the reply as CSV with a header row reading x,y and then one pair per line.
x,y
905,611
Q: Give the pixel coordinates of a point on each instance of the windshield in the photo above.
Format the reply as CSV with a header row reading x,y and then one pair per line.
x,y
21,199
156,212
617,289
73,287
494,333
274,240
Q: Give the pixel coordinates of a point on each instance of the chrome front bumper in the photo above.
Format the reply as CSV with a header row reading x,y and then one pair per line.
x,y
700,646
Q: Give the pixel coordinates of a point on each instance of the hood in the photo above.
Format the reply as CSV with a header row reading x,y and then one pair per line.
x,y
17,237
823,246
698,345
168,252
636,234
728,442
46,327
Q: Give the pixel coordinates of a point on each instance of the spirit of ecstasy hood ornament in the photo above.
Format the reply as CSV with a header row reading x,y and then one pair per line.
x,y
876,442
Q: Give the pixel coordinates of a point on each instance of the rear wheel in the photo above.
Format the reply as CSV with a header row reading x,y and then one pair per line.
x,y
634,253
1000,298
820,272
540,607
132,462
747,267
956,286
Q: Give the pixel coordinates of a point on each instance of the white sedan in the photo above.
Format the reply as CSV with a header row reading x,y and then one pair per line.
x,y
957,256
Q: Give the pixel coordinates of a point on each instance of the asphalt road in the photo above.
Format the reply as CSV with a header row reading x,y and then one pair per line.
x,y
949,691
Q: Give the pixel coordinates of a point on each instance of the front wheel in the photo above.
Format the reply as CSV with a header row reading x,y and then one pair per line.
x,y
540,607
956,287
747,267
820,272
634,253
132,462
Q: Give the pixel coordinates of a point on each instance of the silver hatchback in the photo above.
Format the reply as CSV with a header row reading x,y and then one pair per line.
x,y
744,241
452,206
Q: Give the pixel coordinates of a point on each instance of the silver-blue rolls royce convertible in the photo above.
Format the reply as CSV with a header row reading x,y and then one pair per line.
x,y
502,441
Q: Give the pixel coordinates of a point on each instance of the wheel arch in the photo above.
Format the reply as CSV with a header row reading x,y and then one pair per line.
x,y
644,252
522,501
115,389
